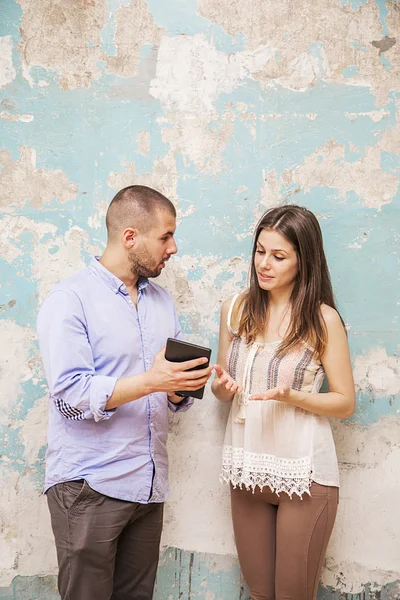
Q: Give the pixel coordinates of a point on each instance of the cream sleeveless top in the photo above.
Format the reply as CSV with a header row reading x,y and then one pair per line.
x,y
268,442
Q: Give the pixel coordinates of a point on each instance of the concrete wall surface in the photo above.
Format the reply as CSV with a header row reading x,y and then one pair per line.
x,y
228,107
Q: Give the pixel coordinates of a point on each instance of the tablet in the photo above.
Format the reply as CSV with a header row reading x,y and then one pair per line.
x,y
179,351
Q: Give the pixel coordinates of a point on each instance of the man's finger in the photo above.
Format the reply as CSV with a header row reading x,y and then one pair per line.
x,y
191,364
195,380
196,386
190,375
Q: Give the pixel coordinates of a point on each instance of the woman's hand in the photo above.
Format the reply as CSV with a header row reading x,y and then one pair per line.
x,y
222,378
283,394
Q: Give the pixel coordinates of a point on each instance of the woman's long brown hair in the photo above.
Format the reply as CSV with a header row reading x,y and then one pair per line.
x,y
312,285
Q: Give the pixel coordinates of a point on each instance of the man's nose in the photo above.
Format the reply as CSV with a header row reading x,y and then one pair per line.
x,y
173,249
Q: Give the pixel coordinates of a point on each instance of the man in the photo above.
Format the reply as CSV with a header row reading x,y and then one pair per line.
x,y
102,334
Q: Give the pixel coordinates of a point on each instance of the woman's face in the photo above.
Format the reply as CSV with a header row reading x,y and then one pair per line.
x,y
275,261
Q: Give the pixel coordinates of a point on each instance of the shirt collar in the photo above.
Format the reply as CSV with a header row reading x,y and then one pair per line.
x,y
115,284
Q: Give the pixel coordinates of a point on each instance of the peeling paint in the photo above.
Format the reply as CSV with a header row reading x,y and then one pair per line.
x,y
191,73
135,29
164,176
327,167
143,142
378,372
7,71
385,44
280,25
22,181
15,118
55,36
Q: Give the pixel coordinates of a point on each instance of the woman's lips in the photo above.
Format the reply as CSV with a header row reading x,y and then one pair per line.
x,y
265,277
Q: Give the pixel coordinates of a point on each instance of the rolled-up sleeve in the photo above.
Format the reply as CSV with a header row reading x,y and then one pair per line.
x,y
187,401
76,390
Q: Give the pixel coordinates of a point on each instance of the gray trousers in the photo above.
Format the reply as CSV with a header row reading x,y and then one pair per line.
x,y
107,549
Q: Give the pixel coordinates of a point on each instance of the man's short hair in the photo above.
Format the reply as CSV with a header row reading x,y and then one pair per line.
x,y
135,206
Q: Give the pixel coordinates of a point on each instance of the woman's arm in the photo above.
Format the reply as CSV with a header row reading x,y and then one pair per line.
x,y
340,401
224,387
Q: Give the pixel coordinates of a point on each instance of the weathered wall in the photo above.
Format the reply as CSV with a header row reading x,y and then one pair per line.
x,y
228,107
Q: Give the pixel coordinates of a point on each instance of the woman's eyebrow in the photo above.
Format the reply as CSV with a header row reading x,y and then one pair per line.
x,y
273,249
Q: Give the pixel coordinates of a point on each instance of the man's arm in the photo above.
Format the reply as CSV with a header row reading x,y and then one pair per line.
x,y
67,357
163,376
68,362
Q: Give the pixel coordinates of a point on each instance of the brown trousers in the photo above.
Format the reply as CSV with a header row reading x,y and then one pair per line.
x,y
281,542
107,549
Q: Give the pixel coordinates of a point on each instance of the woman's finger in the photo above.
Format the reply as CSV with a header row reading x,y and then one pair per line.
x,y
267,396
219,370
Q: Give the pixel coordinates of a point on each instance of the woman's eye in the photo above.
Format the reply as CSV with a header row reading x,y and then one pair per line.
x,y
259,252
279,257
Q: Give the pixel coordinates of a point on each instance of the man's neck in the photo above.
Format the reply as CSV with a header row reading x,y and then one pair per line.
x,y
121,268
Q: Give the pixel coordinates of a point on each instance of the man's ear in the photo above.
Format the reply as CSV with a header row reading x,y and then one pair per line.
x,y
129,237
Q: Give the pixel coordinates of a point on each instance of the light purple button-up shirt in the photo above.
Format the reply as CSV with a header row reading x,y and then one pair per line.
x,y
90,335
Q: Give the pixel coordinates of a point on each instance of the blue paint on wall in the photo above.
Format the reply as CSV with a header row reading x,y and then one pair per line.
x,y
383,13
385,62
108,32
351,71
390,163
354,4
182,18
358,46
190,576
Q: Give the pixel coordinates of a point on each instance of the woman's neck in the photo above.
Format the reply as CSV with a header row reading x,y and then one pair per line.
x,y
279,300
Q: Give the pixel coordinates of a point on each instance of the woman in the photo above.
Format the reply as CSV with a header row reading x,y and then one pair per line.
x,y
277,342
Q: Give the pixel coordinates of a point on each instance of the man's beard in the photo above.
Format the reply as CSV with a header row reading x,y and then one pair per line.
x,y
142,264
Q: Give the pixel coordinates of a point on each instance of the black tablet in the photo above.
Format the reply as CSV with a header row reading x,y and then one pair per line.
x,y
179,351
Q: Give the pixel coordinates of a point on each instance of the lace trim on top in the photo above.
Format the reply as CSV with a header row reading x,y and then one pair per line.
x,y
251,470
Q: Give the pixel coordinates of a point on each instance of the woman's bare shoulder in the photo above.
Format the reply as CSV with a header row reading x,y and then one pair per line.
x,y
228,301
330,316
236,309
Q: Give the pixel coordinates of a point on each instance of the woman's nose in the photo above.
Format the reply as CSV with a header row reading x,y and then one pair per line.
x,y
266,262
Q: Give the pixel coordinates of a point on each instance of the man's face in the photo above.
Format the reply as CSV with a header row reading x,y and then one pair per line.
x,y
154,248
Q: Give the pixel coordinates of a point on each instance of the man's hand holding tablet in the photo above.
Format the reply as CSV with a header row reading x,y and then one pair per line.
x,y
179,351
